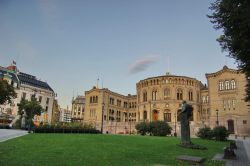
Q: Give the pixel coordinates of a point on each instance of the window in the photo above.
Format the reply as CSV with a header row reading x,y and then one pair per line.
x,y
233,103
79,111
125,104
244,121
167,117
221,85
40,99
233,85
224,104
46,108
154,95
179,94
119,103
111,101
227,85
203,99
24,95
145,115
190,95
92,113
166,92
145,96
47,101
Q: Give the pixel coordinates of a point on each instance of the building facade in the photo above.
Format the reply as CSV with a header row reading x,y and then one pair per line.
x,y
160,98
26,86
78,107
226,93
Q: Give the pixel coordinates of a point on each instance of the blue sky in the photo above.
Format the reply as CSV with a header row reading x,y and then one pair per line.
x,y
70,44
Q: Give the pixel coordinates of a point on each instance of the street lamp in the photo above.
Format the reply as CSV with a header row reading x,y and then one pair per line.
x,y
217,121
175,134
102,117
129,124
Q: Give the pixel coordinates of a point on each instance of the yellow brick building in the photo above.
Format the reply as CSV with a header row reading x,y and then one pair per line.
x,y
160,98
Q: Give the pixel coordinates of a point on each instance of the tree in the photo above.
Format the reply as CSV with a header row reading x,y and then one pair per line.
x,y
7,92
232,16
31,108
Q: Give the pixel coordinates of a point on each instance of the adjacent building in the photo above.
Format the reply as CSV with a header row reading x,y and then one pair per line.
x,y
26,86
78,107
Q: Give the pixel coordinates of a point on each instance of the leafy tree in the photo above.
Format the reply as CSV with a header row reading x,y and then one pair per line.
x,y
31,108
7,92
233,17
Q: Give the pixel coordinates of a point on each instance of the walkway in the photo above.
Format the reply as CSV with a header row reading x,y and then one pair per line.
x,y
6,134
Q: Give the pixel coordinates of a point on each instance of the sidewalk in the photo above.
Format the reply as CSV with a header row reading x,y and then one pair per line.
x,y
6,134
242,152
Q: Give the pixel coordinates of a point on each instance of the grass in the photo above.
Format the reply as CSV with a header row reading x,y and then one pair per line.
x,y
79,150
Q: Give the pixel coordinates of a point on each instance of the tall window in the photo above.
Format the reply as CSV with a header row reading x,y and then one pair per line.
x,y
179,94
145,96
167,117
227,85
233,85
190,95
145,115
154,95
166,92
221,85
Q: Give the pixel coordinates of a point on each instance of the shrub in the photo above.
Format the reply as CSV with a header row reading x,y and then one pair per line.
x,y
159,128
220,133
142,128
205,133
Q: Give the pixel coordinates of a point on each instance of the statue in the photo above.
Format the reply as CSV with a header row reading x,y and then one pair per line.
x,y
186,113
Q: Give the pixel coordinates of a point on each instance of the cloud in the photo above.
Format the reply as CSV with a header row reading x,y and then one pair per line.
x,y
142,64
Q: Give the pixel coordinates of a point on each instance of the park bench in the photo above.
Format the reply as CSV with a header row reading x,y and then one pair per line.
x,y
192,160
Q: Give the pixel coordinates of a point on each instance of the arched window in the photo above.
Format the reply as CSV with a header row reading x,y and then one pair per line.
x,y
154,95
190,95
227,85
221,85
233,85
179,94
91,100
166,92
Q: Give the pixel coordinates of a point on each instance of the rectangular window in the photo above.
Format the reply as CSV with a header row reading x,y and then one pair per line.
x,y
47,101
40,99
24,95
244,121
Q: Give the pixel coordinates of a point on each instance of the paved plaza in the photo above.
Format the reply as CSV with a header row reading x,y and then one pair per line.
x,y
6,134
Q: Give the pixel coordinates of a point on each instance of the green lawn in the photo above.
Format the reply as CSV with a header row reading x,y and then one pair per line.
x,y
80,149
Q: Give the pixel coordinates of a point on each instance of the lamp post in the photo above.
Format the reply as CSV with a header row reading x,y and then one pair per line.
x,y
217,121
102,117
129,124
175,134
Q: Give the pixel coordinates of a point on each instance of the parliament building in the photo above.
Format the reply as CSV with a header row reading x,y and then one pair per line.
x,y
220,102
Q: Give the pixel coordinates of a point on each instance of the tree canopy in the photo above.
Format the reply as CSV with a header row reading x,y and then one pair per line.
x,y
7,92
233,17
31,107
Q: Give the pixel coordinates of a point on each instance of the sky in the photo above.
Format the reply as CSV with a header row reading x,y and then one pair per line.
x,y
70,44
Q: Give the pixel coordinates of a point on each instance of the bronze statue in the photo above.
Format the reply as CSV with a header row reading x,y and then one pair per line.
x,y
186,113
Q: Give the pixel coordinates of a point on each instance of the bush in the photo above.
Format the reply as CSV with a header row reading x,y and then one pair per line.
x,y
220,133
142,128
159,128
67,128
205,133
